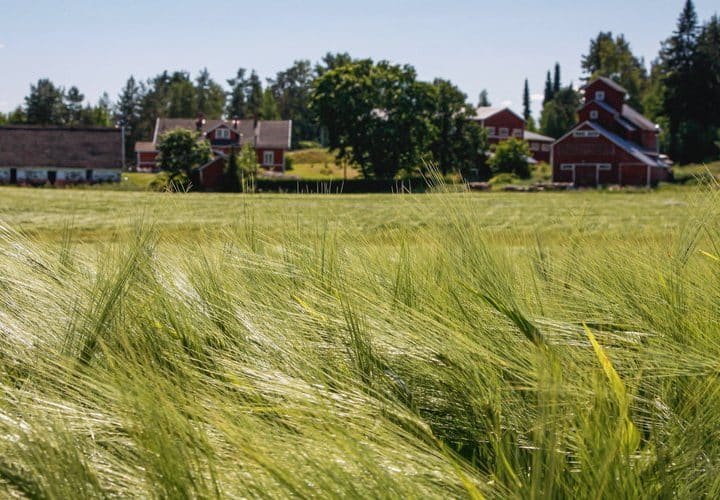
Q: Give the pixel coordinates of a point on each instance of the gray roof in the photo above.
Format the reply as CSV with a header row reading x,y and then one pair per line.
x,y
532,136
636,118
485,112
60,147
274,134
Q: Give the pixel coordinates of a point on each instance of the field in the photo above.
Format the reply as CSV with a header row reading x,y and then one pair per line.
x,y
446,345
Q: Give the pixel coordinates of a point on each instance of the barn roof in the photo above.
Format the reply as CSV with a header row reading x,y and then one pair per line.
x,y
485,112
637,119
532,136
607,81
275,134
35,146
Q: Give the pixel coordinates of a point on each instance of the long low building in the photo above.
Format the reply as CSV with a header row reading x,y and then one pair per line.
x,y
34,155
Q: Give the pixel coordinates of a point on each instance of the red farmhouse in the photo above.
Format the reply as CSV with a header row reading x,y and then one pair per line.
x,y
611,144
503,123
270,138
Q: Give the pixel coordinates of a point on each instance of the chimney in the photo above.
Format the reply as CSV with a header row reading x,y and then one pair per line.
x,y
199,122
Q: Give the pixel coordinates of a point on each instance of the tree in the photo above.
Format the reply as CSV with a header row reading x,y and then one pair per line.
x,y
511,156
707,81
556,80
210,96
527,112
17,116
254,95
377,115
611,57
73,106
237,102
182,98
292,89
560,114
483,99
680,103
451,113
548,89
181,150
44,105
269,109
332,61
127,113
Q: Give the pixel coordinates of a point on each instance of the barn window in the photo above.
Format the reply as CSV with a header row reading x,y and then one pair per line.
x,y
546,147
600,95
594,114
268,158
222,133
517,132
491,131
534,146
566,166
504,131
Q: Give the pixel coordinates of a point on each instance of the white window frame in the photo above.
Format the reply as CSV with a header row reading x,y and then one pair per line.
x,y
600,95
491,131
504,132
517,133
594,114
534,146
222,133
268,158
546,148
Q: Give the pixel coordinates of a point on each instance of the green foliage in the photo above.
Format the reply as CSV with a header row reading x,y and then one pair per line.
x,y
484,99
269,110
292,91
377,115
181,150
511,156
210,96
560,113
611,57
44,105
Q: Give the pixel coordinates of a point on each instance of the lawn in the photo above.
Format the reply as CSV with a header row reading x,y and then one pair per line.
x,y
319,164
493,345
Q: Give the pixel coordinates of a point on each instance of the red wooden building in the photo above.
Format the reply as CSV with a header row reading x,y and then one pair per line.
x,y
503,123
611,144
270,138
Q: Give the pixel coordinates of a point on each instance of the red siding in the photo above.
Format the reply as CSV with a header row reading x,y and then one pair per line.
x,y
613,98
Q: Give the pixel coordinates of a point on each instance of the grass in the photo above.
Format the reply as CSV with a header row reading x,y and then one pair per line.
x,y
497,345
319,164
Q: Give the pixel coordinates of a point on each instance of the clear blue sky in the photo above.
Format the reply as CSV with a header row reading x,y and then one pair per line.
x,y
97,44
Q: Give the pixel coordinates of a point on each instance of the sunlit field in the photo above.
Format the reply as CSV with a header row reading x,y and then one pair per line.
x,y
447,345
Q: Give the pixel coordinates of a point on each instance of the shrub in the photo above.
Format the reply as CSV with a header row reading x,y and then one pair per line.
x,y
511,156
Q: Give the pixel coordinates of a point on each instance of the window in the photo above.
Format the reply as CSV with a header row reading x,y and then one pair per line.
x,y
546,147
566,166
604,166
517,132
534,146
491,131
268,158
594,114
222,133
504,132
600,95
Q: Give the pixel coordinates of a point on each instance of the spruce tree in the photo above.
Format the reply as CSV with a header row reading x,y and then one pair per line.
x,y
556,81
254,95
483,99
237,102
548,89
527,113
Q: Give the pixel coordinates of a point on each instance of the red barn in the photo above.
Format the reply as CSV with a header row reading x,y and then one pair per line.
x,y
503,123
270,139
611,144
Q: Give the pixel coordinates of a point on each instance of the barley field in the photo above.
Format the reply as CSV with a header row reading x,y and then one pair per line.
x,y
446,345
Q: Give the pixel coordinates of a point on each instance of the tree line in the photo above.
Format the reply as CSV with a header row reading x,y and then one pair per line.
x,y
385,120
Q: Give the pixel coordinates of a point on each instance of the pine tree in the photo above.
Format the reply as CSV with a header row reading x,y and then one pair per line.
x,y
527,113
237,102
73,106
127,113
483,99
680,101
254,95
210,96
548,90
556,81
44,105
269,109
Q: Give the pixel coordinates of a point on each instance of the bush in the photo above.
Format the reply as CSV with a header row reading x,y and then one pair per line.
x,y
309,145
511,156
164,182
503,178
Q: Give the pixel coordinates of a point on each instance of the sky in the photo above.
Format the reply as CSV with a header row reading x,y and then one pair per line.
x,y
97,44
